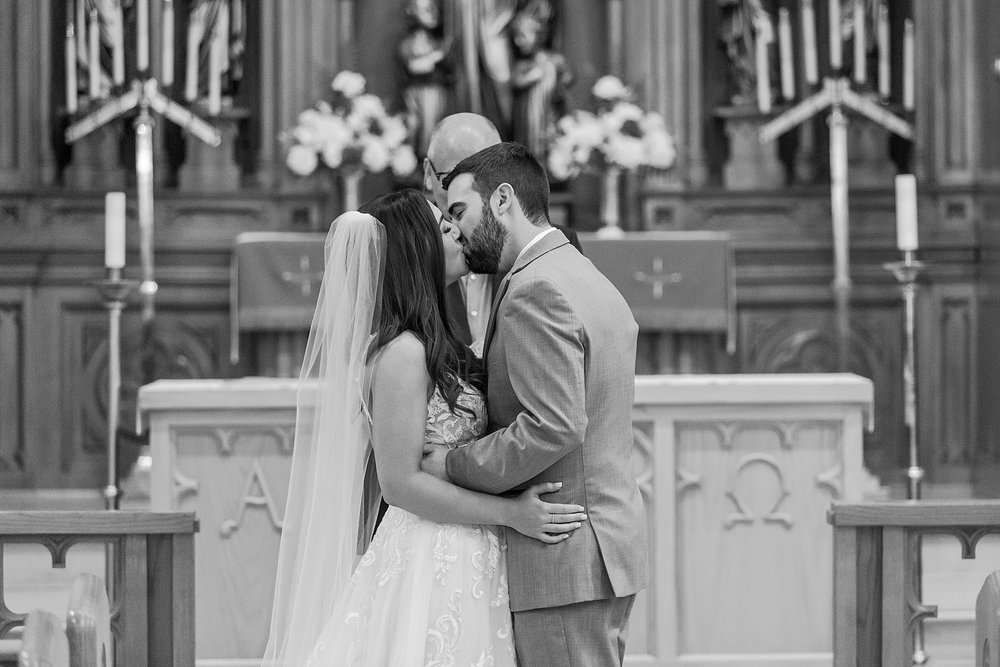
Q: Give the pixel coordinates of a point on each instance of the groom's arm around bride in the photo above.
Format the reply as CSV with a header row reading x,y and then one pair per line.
x,y
560,351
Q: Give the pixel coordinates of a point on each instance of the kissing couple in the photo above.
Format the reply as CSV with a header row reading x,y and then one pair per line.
x,y
469,565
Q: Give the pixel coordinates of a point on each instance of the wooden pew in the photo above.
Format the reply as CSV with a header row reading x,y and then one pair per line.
x,y
44,642
988,622
876,587
152,602
88,623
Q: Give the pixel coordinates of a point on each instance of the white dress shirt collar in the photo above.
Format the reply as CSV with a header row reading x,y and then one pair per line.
x,y
533,241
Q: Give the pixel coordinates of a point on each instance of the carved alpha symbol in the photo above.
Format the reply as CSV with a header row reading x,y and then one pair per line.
x,y
256,494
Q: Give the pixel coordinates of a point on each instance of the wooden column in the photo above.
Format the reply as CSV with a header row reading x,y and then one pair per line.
x,y
11,379
956,107
25,102
661,57
300,55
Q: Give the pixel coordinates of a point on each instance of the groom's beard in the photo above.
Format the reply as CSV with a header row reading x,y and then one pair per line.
x,y
483,250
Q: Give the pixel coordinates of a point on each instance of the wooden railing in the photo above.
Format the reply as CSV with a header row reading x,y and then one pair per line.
x,y
876,583
152,574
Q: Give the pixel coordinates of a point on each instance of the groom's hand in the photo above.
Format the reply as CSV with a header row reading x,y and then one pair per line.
x,y
433,462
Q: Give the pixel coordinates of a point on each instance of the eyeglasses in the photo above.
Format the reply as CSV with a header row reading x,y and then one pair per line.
x,y
437,174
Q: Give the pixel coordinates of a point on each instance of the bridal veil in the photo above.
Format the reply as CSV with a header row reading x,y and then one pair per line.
x,y
319,536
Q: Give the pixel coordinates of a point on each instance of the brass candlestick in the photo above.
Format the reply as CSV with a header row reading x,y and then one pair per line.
x,y
114,291
906,273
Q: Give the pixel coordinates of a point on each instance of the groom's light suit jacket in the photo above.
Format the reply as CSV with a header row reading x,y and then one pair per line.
x,y
560,351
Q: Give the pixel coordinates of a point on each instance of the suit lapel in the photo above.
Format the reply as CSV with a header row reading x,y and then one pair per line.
x,y
491,325
551,241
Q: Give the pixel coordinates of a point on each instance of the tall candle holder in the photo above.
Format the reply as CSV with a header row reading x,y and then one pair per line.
x,y
114,290
836,96
907,272
145,95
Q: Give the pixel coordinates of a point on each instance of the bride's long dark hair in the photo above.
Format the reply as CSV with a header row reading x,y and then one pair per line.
x,y
413,291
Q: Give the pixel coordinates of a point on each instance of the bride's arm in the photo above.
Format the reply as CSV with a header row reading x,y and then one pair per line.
x,y
399,416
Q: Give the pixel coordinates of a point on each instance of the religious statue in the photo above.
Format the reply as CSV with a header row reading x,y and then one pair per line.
x,y
539,79
738,35
427,70
480,31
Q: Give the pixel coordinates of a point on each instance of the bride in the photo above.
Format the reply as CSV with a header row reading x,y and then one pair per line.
x,y
383,375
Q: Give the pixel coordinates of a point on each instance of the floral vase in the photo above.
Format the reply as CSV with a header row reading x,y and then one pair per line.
x,y
611,203
350,181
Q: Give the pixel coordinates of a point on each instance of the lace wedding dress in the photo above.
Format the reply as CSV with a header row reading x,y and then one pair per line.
x,y
426,594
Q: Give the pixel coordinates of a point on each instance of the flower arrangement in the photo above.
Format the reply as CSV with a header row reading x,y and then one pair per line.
x,y
620,134
354,133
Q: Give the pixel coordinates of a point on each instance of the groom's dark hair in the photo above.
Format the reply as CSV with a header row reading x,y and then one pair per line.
x,y
511,163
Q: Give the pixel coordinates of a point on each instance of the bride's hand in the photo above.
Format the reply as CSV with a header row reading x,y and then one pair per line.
x,y
548,522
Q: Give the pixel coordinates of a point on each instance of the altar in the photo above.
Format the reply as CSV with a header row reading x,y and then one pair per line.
x,y
736,471
679,285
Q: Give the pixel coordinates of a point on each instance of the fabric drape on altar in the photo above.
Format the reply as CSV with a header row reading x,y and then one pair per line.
x,y
673,281
274,283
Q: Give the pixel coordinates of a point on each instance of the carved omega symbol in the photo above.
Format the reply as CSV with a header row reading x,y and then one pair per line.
x,y
744,513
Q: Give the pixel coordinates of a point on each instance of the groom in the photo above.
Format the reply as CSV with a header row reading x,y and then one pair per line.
x,y
560,353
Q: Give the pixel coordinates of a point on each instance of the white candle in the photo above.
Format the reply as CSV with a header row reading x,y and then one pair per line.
x,y
836,47
883,50
763,26
193,44
81,31
809,41
70,69
860,41
908,64
142,27
785,47
114,230
94,57
167,74
906,212
118,45
218,52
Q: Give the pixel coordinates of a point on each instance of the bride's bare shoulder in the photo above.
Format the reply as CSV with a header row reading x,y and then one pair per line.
x,y
404,352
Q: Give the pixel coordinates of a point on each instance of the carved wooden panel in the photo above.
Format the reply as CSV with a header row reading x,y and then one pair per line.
x,y
643,626
9,61
11,394
949,402
750,513
179,345
235,477
802,339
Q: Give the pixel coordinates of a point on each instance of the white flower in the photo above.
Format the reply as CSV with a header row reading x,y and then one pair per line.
x,y
626,152
394,131
302,160
375,155
404,160
333,129
660,151
368,106
352,134
333,154
589,131
349,84
610,88
560,165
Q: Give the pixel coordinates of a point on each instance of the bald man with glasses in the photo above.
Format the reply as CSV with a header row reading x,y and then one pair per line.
x,y
453,139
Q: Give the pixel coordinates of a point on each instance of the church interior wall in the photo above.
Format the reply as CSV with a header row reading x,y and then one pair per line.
x,y
51,220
